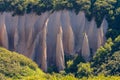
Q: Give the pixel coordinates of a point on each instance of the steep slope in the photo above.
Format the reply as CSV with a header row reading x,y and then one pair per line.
x,y
16,66
35,36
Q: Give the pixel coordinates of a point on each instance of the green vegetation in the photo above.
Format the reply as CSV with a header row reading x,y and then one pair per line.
x,y
16,66
105,62
102,77
84,70
72,62
107,58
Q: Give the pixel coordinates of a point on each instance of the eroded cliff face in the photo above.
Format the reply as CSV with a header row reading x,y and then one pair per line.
x,y
48,37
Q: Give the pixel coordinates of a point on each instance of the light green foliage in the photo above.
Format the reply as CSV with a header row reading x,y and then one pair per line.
x,y
102,77
16,66
38,75
56,76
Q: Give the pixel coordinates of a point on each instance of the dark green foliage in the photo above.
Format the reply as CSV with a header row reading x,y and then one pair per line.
x,y
107,58
72,62
102,53
52,69
116,46
112,33
113,65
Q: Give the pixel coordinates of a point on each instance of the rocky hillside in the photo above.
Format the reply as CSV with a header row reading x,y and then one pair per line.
x,y
50,36
46,30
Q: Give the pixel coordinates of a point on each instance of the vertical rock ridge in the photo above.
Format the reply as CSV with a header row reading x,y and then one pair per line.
x,y
85,48
68,35
21,33
53,25
78,24
44,47
92,35
30,20
41,47
11,25
60,51
16,38
100,36
104,25
101,33
3,32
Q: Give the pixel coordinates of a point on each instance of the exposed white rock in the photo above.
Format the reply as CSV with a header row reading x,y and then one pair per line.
x,y
30,20
100,36
104,25
60,51
21,33
92,35
101,33
41,47
11,25
44,48
68,35
85,48
78,22
53,25
3,32
16,39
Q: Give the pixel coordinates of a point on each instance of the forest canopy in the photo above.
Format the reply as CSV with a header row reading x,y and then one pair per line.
x,y
94,7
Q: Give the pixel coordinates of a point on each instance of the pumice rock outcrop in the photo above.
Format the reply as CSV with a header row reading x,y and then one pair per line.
x,y
60,51
3,32
41,47
85,48
78,23
68,35
46,38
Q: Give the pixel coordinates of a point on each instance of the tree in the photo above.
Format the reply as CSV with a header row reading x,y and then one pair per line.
x,y
107,58
84,70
